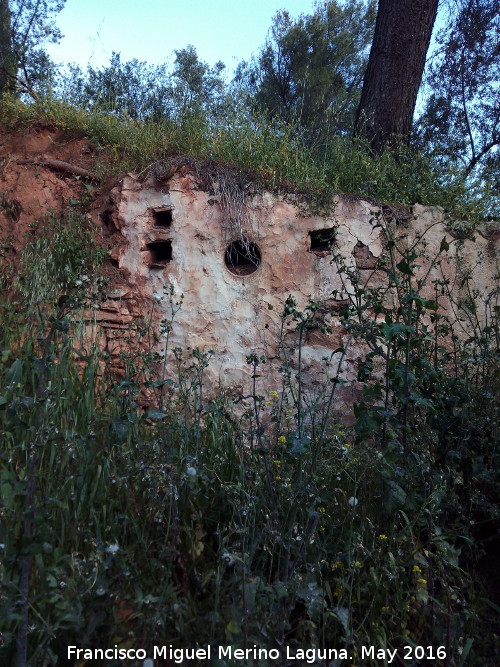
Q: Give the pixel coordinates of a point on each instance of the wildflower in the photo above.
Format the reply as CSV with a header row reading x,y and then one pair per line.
x,y
191,471
416,569
382,537
356,563
422,582
322,510
337,565
353,501
228,558
112,549
281,440
384,609
273,394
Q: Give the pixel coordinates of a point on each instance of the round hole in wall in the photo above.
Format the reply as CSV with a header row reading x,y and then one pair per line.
x,y
242,257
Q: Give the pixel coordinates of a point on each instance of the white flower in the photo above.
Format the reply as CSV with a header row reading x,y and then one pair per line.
x,y
353,501
227,558
112,549
192,472
157,296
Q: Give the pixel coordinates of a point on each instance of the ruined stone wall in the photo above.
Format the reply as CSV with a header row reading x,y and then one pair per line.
x,y
177,236
176,233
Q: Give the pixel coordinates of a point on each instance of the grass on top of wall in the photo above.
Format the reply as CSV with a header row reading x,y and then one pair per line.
x,y
269,153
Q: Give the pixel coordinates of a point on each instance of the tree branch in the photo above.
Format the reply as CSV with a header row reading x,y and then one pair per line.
x,y
487,147
59,165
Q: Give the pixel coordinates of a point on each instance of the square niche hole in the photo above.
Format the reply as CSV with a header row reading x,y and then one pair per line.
x,y
160,253
162,217
322,240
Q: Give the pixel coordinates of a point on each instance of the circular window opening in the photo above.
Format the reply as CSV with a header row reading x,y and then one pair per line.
x,y
242,257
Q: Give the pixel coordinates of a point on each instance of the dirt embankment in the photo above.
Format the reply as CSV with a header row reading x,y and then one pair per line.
x,y
42,173
36,177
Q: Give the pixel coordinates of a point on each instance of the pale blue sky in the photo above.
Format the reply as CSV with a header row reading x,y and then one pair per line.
x,y
227,30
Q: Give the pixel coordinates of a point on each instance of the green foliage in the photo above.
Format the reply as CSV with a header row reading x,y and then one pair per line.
x,y
130,89
286,117
255,519
135,90
429,405
460,120
63,255
271,153
27,25
310,70
258,521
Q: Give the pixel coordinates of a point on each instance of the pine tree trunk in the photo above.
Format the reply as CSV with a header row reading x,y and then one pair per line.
x,y
402,34
8,69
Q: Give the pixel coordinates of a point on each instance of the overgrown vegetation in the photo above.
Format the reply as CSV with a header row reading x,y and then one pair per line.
x,y
288,116
257,522
273,155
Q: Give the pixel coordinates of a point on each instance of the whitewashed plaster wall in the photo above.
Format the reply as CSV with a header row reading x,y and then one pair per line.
x,y
235,315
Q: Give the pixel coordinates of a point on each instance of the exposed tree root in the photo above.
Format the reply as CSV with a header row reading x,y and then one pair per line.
x,y
59,165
